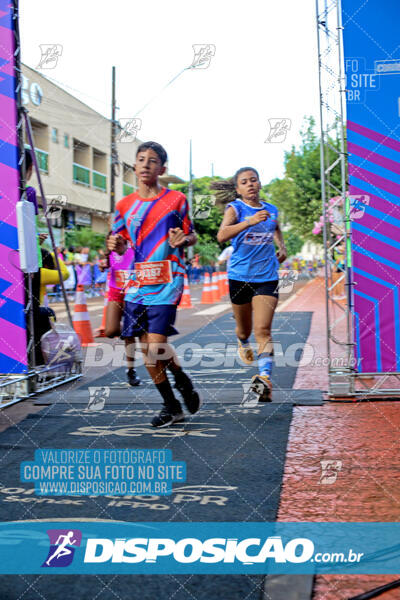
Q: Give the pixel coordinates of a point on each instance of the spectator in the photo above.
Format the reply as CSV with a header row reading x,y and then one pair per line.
x,y
225,256
49,274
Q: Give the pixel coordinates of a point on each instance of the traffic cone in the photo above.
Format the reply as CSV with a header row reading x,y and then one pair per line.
x,y
214,287
81,319
206,296
221,286
186,301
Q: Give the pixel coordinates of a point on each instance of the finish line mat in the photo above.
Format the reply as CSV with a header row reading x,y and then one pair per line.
x,y
234,457
211,355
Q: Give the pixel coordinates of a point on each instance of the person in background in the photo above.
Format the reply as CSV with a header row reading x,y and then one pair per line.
x,y
46,275
78,256
49,274
120,266
225,256
70,254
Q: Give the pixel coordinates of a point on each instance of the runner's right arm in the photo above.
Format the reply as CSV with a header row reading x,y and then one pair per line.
x,y
230,227
116,243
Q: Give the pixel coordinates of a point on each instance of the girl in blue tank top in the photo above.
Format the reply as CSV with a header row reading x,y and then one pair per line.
x,y
251,225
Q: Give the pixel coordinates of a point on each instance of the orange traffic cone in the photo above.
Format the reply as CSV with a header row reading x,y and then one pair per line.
x,y
206,296
221,286
186,301
214,287
81,319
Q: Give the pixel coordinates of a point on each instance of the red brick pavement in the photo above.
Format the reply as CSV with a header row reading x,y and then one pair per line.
x,y
363,436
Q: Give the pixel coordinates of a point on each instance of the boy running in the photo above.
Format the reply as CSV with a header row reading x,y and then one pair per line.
x,y
156,221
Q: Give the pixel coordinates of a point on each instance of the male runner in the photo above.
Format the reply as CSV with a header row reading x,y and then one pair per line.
x,y
156,221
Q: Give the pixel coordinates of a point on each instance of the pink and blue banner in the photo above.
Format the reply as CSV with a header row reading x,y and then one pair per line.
x,y
372,67
13,340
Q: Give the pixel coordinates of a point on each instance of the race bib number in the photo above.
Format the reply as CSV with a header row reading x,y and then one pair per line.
x,y
153,273
256,238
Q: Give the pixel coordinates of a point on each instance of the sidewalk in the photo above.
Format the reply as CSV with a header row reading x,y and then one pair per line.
x,y
363,440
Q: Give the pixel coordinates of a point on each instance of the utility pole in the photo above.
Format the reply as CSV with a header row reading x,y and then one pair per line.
x,y
190,195
113,146
212,169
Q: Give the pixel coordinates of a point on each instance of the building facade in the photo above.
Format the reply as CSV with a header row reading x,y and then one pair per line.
x,y
73,148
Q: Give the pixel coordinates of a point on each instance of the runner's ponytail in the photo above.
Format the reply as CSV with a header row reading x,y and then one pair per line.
x,y
226,189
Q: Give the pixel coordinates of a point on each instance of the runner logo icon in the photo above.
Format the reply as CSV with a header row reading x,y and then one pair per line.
x,y
62,542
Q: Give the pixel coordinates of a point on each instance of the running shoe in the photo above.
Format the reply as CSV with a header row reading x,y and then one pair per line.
x,y
133,379
190,396
246,353
165,418
262,385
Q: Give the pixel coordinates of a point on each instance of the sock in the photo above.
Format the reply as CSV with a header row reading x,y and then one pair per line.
x,y
265,360
170,402
245,343
178,373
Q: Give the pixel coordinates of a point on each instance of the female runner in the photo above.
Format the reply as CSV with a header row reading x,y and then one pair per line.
x,y
251,225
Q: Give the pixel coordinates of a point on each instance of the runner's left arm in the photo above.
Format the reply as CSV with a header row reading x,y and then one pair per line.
x,y
278,238
185,234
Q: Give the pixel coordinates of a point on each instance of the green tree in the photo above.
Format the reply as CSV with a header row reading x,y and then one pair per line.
x,y
85,237
206,217
293,242
298,194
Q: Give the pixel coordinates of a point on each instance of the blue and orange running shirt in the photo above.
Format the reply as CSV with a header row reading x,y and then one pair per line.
x,y
146,222
253,258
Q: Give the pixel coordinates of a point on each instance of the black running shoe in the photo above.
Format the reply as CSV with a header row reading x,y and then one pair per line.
x,y
190,396
133,379
165,419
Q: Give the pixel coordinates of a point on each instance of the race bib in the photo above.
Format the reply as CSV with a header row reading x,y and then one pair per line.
x,y
256,238
151,273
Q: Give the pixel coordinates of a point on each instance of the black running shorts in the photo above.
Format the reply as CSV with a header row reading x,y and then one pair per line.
x,y
242,292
